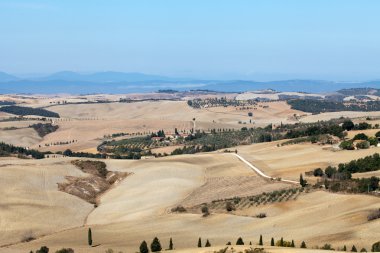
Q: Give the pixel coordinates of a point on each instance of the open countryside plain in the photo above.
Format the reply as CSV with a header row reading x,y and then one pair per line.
x,y
140,206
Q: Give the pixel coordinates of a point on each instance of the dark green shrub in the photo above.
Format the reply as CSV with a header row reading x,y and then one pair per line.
x,y
239,241
155,245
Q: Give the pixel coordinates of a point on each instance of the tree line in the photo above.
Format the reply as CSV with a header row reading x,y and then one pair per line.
x,y
23,111
318,106
8,149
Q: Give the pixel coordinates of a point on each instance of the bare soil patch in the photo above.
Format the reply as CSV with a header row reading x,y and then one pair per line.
x,y
99,180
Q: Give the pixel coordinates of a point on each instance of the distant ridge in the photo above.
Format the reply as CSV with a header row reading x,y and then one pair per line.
x,y
120,82
103,77
4,77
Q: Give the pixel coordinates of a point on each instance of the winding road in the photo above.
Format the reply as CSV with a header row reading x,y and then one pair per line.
x,y
260,173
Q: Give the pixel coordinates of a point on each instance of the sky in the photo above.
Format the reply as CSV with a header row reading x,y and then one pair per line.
x,y
211,39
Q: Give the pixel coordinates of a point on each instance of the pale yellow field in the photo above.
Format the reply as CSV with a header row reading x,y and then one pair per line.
x,y
138,209
89,123
336,115
290,160
25,137
368,132
31,204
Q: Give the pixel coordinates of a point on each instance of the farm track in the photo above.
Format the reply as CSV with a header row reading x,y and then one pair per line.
x,y
262,174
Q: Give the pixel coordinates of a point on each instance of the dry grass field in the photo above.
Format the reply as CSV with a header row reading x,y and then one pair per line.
x,y
24,137
139,207
290,160
31,204
88,123
336,115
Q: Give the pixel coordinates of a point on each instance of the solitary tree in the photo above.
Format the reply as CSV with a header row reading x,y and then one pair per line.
x,y
302,181
261,240
272,242
205,211
89,237
208,244
199,243
171,244
348,125
239,241
282,242
353,249
292,245
155,246
43,249
376,247
344,248
144,247
303,245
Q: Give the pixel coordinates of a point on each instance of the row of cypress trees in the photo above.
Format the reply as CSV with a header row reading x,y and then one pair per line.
x,y
155,246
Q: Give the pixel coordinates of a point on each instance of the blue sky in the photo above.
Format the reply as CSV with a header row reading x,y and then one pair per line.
x,y
236,39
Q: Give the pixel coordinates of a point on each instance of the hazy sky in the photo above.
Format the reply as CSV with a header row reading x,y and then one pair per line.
x,y
325,39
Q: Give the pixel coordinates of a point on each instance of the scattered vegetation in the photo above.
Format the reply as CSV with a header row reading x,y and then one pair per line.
x,y
340,178
44,129
99,180
240,203
216,102
65,250
97,168
374,215
178,209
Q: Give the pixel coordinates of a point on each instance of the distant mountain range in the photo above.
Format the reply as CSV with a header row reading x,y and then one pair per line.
x,y
120,82
4,77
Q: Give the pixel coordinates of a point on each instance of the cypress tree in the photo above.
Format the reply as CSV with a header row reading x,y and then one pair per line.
x,y
144,247
208,244
344,248
292,245
303,245
239,241
261,240
354,249
155,245
89,237
282,242
171,247
302,181
272,242
250,243
199,243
